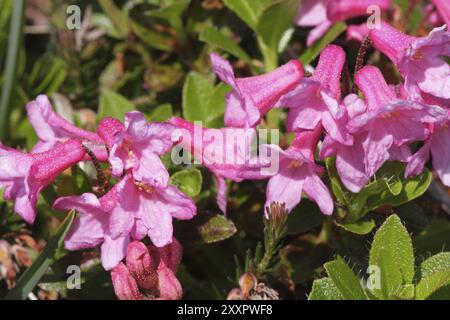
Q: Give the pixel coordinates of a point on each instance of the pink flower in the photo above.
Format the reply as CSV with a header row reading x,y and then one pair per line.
x,y
148,268
213,149
341,10
25,175
52,129
132,209
322,14
297,173
137,148
316,100
438,145
443,7
388,121
418,59
253,97
357,32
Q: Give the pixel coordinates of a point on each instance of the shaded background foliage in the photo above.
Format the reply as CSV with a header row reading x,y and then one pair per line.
x,y
153,56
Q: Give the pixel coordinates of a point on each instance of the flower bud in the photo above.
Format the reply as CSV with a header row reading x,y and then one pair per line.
x,y
169,286
171,254
142,265
124,284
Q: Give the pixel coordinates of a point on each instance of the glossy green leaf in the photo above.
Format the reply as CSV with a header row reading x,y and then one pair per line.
x,y
202,101
324,289
188,181
161,113
345,280
360,227
29,279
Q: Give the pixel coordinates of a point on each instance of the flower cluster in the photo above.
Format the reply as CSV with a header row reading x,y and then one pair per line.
x,y
141,203
361,131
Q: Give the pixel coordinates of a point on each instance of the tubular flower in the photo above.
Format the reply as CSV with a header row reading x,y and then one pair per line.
x,y
137,148
316,100
297,173
149,270
25,175
419,60
322,14
132,209
443,7
52,129
252,97
389,121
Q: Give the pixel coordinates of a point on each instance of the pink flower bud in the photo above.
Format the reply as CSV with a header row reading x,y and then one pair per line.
x,y
142,265
124,284
169,286
171,254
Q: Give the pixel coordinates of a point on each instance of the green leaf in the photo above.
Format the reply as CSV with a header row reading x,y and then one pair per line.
x,y
438,262
215,37
427,286
188,181
435,274
117,17
412,188
274,21
345,280
391,278
11,65
161,113
114,105
247,10
391,247
324,289
34,273
359,227
312,52
202,101
205,228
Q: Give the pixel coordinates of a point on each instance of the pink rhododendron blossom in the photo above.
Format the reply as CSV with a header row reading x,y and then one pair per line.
x,y
25,175
148,268
53,129
297,173
132,209
443,7
252,97
389,121
222,151
438,145
139,147
419,60
316,100
322,14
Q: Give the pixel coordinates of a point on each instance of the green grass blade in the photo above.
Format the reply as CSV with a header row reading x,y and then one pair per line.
x,y
14,43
